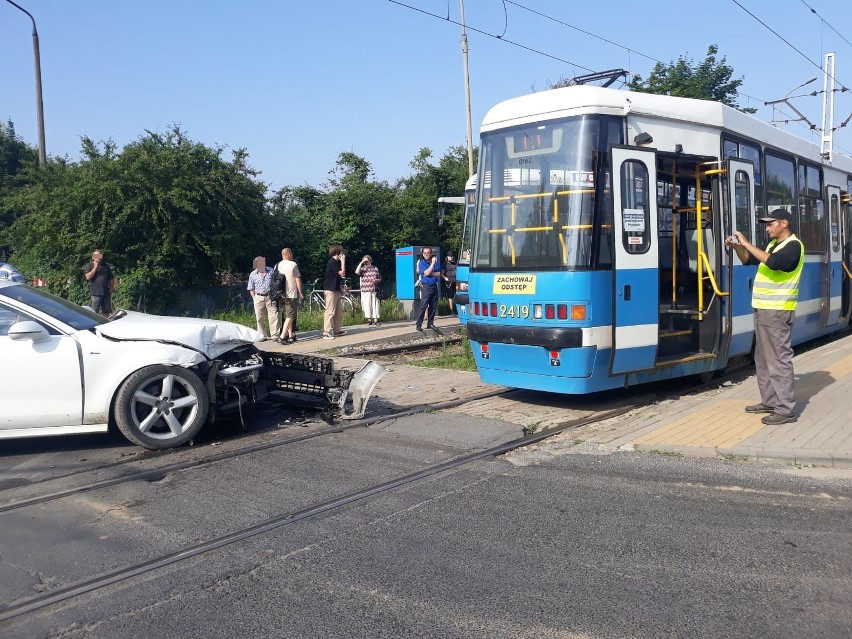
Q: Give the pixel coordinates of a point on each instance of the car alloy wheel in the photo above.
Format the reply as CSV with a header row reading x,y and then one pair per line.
x,y
161,406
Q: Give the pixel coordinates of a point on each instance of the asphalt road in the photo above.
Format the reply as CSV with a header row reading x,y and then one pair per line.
x,y
549,541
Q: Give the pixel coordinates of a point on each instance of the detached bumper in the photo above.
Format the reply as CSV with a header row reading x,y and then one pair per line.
x,y
312,380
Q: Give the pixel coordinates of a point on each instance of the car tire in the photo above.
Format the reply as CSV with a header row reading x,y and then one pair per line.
x,y
161,406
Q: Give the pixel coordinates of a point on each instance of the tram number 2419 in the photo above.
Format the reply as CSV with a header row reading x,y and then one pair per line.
x,y
521,311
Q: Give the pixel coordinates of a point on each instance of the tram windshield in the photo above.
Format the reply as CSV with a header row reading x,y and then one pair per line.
x,y
467,223
541,198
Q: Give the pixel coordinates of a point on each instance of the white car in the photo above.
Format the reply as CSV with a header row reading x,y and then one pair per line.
x,y
67,370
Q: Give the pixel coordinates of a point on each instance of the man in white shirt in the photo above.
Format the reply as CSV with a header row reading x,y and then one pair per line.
x,y
289,301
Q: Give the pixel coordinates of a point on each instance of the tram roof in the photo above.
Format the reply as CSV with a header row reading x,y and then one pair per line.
x,y
578,100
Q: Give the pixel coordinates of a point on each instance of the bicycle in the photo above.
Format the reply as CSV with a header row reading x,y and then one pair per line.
x,y
315,297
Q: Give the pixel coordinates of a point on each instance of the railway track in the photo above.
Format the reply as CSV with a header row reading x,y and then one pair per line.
x,y
279,520
291,517
142,455
158,473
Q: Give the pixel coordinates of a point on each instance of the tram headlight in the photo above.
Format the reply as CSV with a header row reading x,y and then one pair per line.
x,y
462,287
537,311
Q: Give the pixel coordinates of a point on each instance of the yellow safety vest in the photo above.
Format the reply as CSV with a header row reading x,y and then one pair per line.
x,y
778,290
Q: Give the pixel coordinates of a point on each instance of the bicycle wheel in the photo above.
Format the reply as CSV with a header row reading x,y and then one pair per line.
x,y
318,299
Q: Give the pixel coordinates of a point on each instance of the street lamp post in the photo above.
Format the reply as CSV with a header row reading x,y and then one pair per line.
x,y
42,153
467,95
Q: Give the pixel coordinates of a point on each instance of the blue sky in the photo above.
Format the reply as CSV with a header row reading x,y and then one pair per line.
x,y
296,83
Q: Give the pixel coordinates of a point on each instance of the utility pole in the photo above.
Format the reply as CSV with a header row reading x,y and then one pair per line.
x,y
42,154
828,108
470,169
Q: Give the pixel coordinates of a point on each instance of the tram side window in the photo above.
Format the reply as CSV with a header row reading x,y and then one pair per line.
x,y
734,149
742,197
636,235
834,212
781,185
812,223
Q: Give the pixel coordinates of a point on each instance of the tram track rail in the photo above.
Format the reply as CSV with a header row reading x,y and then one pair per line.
x,y
158,473
142,455
412,347
155,474
287,518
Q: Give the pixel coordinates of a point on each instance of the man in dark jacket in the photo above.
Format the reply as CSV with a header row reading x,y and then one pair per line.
x,y
101,283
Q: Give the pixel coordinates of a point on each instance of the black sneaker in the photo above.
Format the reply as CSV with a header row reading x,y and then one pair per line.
x,y
418,328
759,408
775,419
431,327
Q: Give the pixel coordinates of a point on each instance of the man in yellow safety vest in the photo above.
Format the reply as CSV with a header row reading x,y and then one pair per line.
x,y
773,298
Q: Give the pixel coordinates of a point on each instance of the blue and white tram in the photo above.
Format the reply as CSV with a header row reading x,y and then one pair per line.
x,y
598,255
463,261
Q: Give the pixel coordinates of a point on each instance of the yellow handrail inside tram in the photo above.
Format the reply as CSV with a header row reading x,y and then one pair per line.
x,y
704,262
846,269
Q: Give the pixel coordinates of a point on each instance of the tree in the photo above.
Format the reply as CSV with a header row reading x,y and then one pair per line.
x,y
368,216
709,80
419,211
17,161
168,212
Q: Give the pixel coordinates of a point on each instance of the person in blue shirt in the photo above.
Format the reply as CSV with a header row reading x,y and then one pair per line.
x,y
258,287
428,271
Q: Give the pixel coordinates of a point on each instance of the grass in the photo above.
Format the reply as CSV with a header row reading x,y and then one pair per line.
x,y
529,429
665,453
457,357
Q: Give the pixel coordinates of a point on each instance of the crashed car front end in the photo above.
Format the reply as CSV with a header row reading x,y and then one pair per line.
x,y
227,360
232,380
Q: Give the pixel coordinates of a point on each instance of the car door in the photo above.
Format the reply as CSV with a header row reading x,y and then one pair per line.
x,y
41,382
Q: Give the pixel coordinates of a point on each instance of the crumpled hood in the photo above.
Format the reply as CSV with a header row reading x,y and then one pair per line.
x,y
211,337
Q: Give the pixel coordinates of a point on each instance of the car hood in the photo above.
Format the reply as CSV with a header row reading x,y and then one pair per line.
x,y
210,337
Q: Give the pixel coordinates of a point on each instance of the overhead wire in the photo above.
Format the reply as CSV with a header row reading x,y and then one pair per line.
x,y
843,88
787,42
825,22
613,43
491,35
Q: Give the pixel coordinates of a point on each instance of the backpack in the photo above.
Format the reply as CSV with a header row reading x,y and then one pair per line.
x,y
277,285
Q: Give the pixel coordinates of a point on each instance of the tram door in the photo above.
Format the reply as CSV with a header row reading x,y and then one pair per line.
x,y
835,257
846,249
636,265
742,211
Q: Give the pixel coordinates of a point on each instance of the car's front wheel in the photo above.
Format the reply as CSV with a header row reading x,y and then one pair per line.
x,y
161,406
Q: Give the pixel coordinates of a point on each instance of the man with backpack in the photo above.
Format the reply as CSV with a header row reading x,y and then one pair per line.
x,y
286,291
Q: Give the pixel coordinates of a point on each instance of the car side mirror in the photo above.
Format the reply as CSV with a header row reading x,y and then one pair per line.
x,y
28,330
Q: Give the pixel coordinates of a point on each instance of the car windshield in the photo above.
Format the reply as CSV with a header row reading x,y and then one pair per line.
x,y
66,312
